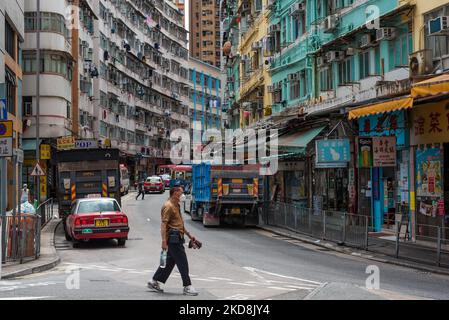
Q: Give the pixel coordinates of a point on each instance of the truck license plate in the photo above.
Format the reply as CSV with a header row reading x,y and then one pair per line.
x,y
102,223
235,210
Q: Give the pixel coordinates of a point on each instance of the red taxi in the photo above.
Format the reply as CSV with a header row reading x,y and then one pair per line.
x,y
96,218
154,184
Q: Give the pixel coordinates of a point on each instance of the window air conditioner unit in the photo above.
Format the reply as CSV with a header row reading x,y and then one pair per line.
x,y
297,8
271,3
385,34
292,77
320,61
438,25
366,40
270,89
421,63
332,56
330,23
350,51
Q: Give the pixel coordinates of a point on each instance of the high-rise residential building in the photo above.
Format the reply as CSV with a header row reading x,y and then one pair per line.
x,y
114,72
205,31
11,40
143,80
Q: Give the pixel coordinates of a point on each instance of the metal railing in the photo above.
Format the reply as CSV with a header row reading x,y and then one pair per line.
x,y
430,246
22,238
45,211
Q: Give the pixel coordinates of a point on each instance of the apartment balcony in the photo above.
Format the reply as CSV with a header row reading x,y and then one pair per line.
x,y
254,80
392,84
141,126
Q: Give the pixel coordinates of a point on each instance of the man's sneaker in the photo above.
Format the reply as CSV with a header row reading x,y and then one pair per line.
x,y
190,291
154,286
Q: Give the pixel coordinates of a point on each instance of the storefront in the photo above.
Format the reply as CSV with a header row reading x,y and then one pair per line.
x,y
331,175
293,180
383,160
429,135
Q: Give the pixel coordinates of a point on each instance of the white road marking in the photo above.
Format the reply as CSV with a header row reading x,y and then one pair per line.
x,y
255,271
279,288
242,284
26,298
238,297
201,279
217,278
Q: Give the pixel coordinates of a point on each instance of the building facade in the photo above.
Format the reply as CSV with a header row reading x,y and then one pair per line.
x,y
11,90
350,79
115,73
204,31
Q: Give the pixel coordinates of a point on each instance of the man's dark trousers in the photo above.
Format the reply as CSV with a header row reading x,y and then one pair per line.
x,y
176,255
141,192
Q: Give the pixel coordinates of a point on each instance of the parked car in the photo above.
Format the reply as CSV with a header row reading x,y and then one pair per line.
x,y
154,184
97,218
166,179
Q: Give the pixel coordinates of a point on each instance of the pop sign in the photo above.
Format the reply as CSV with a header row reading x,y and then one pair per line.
x,y
86,144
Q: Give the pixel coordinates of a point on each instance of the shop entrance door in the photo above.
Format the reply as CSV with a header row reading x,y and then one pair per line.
x,y
389,199
365,193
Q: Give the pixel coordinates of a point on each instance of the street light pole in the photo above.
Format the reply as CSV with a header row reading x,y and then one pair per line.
x,y
38,58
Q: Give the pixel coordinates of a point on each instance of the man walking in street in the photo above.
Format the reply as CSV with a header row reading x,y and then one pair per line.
x,y
141,191
172,233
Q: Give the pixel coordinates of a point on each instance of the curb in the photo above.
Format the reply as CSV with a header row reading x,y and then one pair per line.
x,y
346,250
37,267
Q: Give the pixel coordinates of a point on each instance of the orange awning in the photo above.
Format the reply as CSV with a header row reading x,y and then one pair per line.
x,y
431,87
382,107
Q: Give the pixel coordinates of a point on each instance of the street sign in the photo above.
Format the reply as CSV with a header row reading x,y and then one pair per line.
x,y
86,144
37,171
6,129
19,154
5,147
45,152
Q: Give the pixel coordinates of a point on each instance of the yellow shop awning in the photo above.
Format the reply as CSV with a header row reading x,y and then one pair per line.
x,y
431,87
382,107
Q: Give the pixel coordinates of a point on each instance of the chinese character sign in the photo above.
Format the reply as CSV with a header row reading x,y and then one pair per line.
x,y
430,124
333,151
384,151
386,124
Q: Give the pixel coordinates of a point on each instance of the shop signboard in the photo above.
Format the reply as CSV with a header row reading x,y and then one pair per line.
x,y
45,152
65,143
335,153
430,124
429,172
386,124
384,152
365,152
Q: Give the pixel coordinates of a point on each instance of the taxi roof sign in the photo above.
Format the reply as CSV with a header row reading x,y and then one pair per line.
x,y
37,171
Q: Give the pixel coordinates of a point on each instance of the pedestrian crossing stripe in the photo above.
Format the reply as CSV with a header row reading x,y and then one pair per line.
x,y
37,171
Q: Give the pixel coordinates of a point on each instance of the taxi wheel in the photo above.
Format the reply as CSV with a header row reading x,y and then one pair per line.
x,y
67,236
121,242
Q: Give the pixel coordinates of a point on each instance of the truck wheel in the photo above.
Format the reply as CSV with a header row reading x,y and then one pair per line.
x,y
121,242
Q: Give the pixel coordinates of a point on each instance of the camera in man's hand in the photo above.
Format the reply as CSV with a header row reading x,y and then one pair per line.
x,y
195,244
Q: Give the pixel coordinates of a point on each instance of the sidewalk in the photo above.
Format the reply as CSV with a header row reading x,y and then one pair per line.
x,y
381,254
48,258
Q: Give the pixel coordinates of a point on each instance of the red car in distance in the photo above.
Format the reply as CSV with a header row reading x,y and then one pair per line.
x,y
96,218
154,184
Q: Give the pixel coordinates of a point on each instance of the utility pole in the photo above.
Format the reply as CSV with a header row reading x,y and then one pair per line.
x,y
38,58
